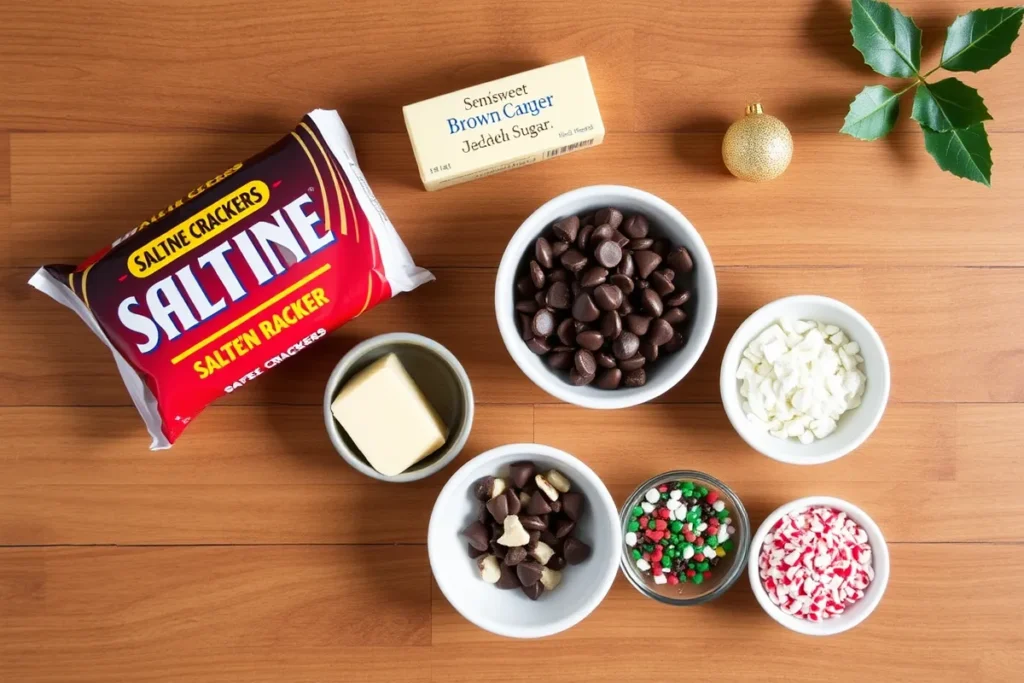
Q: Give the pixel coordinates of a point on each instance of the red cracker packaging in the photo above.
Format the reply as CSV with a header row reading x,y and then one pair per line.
x,y
241,274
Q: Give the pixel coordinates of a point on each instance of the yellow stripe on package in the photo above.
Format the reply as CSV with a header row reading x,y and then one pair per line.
x,y
504,124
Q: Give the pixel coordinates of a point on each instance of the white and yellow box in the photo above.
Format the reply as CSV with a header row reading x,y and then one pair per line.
x,y
504,124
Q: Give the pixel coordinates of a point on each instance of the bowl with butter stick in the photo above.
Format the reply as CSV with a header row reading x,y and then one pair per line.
x,y
398,407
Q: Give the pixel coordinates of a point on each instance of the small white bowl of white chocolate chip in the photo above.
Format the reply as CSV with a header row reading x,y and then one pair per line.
x,y
523,540
805,380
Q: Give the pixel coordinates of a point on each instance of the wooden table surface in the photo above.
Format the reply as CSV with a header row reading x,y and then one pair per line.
x,y
251,552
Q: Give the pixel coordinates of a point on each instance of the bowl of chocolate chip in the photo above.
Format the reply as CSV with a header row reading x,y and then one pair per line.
x,y
523,540
606,296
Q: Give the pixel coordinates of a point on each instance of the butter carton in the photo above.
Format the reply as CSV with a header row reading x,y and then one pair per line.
x,y
504,124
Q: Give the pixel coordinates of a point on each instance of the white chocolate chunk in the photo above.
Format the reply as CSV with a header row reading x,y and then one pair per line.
x,y
550,578
489,569
542,552
515,535
559,481
544,485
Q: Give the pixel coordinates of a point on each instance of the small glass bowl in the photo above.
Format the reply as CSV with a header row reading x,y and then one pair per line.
x,y
724,575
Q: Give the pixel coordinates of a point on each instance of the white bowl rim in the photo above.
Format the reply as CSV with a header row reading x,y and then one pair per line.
x,y
514,251
730,393
601,587
879,558
454,446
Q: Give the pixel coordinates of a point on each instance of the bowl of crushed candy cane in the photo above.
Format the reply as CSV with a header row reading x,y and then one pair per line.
x,y
819,565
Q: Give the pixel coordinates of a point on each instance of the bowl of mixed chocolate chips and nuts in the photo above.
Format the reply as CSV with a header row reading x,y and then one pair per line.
x,y
606,296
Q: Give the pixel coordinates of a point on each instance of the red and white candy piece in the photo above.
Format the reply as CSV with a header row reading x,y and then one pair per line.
x,y
815,563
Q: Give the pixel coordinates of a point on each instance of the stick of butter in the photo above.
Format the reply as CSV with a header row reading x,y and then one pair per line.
x,y
388,417
504,124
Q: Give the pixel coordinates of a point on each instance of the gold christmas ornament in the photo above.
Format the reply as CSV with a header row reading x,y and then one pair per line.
x,y
758,147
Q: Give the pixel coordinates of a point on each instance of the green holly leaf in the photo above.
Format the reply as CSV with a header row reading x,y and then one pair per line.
x,y
872,113
964,152
948,104
888,39
979,39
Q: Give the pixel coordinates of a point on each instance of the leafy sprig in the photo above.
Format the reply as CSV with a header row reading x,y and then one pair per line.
x,y
951,113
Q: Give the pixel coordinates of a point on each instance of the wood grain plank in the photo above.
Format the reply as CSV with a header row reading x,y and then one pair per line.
x,y
74,193
82,476
244,476
940,349
699,63
259,65
916,601
214,614
989,442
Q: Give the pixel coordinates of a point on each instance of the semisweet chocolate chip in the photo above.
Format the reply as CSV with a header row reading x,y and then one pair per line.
x,y
661,281
578,327
639,245
521,472
660,248
605,359
579,380
611,326
646,262
528,306
483,487
560,360
558,296
572,504
557,563
626,267
478,536
556,505
473,552
635,378
558,275
482,515
576,551
619,239
648,350
608,297
612,217
529,572
592,277
563,527
632,363
626,345
575,287
626,308
538,345
651,303
638,324
542,252
559,248
680,260
526,326
601,233
585,363
566,332
635,227
591,340
515,555
533,592
574,260
678,299
677,342
498,507
623,282
660,332
550,539
508,580
532,522
674,316
610,379
543,323
583,239
566,228
539,298
524,286
498,550
608,254
514,504
538,505
536,275
584,309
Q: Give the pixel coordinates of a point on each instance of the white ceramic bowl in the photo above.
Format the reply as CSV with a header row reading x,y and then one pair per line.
x,y
854,426
666,221
510,612
854,614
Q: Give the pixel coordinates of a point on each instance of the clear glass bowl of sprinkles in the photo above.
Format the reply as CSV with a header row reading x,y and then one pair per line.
x,y
668,553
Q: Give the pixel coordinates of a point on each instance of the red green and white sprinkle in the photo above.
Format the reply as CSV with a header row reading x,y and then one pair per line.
x,y
678,533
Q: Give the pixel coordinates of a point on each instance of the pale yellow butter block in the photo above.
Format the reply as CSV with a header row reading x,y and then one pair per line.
x,y
388,417
504,124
